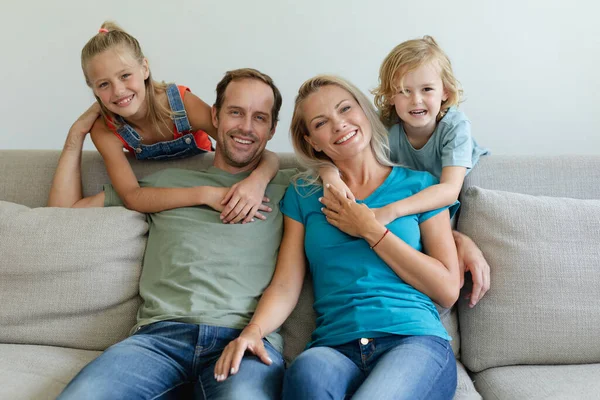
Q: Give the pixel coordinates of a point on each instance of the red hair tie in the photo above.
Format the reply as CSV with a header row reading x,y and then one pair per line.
x,y
102,30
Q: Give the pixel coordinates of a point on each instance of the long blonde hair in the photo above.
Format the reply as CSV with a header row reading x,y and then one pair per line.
x,y
111,36
407,57
313,160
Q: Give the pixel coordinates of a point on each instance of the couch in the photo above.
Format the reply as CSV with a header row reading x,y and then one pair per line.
x,y
68,278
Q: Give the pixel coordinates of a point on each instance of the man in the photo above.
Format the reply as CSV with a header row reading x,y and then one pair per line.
x,y
197,295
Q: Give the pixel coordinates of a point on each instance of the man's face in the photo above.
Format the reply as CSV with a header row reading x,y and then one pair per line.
x,y
243,124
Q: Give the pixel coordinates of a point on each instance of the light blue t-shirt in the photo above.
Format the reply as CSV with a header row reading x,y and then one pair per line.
x,y
451,145
356,293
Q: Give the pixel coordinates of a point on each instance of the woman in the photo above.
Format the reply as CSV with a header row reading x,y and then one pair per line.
x,y
378,333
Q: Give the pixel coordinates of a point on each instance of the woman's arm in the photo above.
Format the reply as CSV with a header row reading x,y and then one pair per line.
x,y
66,188
434,273
146,199
275,305
436,196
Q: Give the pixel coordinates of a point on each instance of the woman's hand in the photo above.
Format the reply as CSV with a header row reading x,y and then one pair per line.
x,y
331,177
348,216
244,200
249,340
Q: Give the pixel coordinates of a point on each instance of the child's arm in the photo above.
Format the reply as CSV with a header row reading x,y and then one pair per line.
x,y
245,198
199,114
330,176
146,199
66,188
436,196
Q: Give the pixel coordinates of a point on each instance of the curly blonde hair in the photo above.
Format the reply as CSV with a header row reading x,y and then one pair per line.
x,y
407,57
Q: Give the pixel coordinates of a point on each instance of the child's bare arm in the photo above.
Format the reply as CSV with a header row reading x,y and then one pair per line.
x,y
330,175
246,198
199,114
436,196
66,190
143,199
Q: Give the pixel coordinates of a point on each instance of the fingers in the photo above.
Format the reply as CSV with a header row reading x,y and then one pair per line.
x,y
262,353
240,212
250,216
224,365
481,281
332,205
229,195
336,193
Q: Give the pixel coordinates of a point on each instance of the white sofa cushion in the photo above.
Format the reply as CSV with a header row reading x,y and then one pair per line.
x,y
69,277
544,303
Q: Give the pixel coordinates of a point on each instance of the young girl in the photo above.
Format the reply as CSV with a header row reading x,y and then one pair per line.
x,y
417,98
155,121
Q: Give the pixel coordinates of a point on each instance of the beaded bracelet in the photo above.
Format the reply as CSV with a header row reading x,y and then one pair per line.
x,y
385,233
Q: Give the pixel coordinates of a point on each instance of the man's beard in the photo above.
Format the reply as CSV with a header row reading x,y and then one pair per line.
x,y
232,158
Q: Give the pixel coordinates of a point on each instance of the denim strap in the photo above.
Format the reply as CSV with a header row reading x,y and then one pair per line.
x,y
179,117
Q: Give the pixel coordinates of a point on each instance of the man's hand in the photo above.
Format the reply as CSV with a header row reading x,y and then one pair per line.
x,y
471,259
244,200
249,340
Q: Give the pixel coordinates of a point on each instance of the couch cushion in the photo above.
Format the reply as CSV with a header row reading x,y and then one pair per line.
x,y
544,305
30,372
540,382
69,277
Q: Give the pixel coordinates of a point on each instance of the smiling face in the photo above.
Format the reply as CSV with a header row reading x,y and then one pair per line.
x,y
244,124
419,101
336,123
117,79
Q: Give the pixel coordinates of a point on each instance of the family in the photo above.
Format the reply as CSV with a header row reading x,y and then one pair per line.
x,y
369,219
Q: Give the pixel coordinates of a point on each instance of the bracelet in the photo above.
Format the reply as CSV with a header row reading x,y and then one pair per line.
x,y
258,326
385,233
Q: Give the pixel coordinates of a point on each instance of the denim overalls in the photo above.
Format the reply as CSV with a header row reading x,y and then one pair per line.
x,y
183,146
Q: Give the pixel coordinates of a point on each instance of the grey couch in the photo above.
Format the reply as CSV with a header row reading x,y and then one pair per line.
x,y
68,278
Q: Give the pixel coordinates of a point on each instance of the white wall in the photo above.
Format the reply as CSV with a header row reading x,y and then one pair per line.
x,y
529,68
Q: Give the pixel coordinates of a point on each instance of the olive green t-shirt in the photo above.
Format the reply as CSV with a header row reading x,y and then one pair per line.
x,y
197,269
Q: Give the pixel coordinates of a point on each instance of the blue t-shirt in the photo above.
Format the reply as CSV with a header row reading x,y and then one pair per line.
x,y
356,293
450,145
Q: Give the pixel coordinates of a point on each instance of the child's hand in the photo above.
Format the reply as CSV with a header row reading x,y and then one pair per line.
x,y
385,214
83,124
244,200
471,259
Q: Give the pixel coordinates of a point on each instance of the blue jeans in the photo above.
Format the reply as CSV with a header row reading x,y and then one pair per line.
x,y
390,367
169,360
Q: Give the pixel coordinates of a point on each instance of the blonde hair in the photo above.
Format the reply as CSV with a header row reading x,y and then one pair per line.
x,y
111,36
407,57
313,160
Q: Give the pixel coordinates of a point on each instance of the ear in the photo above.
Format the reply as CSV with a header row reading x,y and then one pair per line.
x,y
273,130
445,96
314,146
214,116
145,68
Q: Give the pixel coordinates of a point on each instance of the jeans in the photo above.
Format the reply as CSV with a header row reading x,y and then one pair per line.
x,y
390,367
169,360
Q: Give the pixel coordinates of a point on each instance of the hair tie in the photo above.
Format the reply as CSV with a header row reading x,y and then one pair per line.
x,y
102,30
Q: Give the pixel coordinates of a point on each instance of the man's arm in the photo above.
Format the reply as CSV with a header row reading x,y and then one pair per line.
x,y
66,190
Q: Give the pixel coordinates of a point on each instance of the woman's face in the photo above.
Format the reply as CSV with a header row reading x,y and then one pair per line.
x,y
337,124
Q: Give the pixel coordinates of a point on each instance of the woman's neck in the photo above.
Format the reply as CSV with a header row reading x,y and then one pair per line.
x,y
363,174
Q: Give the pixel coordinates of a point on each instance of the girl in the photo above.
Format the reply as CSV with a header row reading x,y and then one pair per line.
x,y
378,334
417,98
155,121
